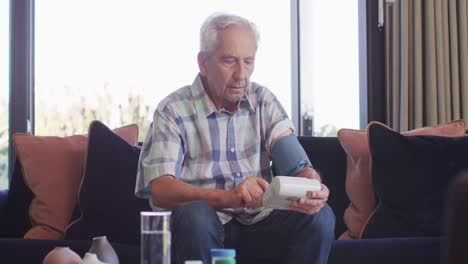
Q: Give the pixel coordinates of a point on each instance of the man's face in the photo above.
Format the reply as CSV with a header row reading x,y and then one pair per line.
x,y
229,67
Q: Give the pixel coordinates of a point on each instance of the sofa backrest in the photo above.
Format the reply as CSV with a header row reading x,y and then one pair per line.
x,y
325,153
329,159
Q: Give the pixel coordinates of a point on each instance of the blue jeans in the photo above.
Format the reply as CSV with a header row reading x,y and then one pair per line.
x,y
283,237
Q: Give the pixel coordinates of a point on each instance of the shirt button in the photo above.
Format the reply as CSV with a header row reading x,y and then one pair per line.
x,y
238,174
232,150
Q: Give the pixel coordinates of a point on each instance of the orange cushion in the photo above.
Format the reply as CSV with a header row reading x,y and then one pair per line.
x,y
53,169
358,172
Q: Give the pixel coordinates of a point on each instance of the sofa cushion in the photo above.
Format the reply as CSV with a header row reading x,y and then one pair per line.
x,y
407,250
410,177
52,169
106,199
358,172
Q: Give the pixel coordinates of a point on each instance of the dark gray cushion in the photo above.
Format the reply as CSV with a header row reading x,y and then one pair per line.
x,y
106,199
411,176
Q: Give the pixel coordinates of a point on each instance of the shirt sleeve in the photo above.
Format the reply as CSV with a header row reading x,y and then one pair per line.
x,y
276,119
161,153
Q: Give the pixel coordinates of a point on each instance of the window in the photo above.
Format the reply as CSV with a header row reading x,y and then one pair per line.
x,y
4,93
329,63
115,60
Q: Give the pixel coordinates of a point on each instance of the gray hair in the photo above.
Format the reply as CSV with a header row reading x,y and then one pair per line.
x,y
218,22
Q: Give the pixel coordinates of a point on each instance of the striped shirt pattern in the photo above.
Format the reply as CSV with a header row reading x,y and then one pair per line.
x,y
198,144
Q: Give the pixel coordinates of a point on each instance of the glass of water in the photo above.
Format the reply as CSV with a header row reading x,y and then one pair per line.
x,y
155,237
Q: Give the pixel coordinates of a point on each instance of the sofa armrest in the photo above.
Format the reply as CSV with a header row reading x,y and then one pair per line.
x,y
3,199
14,211
456,219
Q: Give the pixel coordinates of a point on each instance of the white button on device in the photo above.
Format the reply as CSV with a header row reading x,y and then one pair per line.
x,y
232,149
238,174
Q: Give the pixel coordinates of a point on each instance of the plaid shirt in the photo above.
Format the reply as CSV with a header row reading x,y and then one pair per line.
x,y
198,144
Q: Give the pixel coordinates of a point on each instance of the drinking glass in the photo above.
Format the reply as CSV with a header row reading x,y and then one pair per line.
x,y
155,237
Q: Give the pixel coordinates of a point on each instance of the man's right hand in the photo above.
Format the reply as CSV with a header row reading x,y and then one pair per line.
x,y
248,194
168,192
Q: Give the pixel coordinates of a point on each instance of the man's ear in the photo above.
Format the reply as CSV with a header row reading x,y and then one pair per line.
x,y
202,63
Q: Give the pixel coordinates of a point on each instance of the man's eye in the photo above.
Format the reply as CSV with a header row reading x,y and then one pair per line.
x,y
229,61
249,61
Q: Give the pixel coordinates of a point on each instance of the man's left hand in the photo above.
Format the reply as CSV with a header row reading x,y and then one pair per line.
x,y
315,200
313,203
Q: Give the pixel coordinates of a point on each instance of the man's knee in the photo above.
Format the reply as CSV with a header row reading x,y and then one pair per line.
x,y
195,216
196,229
318,226
324,222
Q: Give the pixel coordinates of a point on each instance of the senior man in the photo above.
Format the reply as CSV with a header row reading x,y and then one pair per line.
x,y
207,158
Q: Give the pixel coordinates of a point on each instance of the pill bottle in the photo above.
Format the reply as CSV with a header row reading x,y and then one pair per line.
x,y
225,261
223,256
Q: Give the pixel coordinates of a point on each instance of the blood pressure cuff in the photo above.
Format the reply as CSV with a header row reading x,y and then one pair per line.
x,y
288,156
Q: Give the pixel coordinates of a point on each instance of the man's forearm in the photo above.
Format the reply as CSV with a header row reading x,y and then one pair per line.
x,y
168,192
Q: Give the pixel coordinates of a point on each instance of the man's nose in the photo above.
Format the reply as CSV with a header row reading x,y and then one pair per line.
x,y
240,71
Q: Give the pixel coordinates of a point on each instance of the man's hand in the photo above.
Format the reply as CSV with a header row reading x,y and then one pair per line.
x,y
315,200
248,194
313,203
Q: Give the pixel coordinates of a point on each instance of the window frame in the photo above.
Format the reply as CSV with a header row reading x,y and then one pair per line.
x,y
375,60
21,73
371,53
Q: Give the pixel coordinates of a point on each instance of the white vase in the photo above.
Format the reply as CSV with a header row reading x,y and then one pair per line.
x,y
62,255
103,250
91,258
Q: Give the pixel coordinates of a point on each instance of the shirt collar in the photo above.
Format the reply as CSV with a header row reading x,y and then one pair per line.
x,y
205,107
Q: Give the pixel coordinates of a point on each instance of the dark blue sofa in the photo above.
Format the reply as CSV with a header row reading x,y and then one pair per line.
x,y
327,157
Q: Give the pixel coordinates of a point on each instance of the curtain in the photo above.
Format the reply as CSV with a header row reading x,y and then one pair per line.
x,y
426,62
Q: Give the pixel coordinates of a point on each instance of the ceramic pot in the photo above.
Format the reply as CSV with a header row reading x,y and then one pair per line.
x,y
62,255
103,250
91,258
